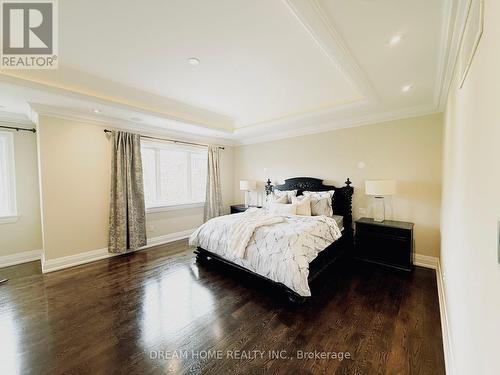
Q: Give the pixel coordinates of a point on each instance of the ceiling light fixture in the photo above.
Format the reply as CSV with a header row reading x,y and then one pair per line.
x,y
396,39
193,61
407,88
96,111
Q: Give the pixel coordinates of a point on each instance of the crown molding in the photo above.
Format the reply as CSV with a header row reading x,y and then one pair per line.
x,y
315,20
38,110
343,124
444,49
14,119
306,117
453,29
92,98
295,116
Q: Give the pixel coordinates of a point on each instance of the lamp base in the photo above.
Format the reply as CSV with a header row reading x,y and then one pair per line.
x,y
247,199
378,209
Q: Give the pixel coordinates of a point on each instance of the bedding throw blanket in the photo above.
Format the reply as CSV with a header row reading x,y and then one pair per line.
x,y
242,229
281,251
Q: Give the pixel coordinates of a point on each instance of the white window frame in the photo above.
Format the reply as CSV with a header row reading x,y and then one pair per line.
x,y
157,146
10,164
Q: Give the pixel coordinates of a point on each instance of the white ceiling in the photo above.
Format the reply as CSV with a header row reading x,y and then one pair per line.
x,y
268,68
367,26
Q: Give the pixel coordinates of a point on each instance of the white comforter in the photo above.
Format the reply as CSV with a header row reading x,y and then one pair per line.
x,y
243,228
280,251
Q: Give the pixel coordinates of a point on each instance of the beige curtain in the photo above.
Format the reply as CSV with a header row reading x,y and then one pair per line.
x,y
127,214
213,201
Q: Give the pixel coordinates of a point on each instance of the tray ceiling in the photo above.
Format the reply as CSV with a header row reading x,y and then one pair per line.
x,y
265,66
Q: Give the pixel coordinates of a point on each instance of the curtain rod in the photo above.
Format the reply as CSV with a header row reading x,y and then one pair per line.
x,y
170,140
17,129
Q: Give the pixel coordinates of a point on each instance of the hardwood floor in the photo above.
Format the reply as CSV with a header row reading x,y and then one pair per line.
x,y
135,313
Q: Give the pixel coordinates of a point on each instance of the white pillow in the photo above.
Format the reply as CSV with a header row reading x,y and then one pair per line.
x,y
321,202
287,193
283,209
303,205
282,199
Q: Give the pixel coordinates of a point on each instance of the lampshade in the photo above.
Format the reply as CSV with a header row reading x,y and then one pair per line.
x,y
380,187
248,185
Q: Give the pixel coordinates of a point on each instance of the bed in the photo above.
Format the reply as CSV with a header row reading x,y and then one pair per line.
x,y
290,272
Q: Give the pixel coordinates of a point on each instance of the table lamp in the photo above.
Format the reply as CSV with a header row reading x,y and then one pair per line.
x,y
379,189
247,186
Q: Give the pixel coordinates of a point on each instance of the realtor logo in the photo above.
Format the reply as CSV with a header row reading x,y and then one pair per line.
x,y
29,34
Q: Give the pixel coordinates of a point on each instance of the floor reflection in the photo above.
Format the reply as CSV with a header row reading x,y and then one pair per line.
x,y
10,359
172,302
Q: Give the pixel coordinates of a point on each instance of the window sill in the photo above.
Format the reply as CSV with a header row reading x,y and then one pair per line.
x,y
153,210
9,219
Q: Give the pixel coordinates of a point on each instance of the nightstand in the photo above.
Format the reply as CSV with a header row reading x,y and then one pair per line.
x,y
236,208
389,243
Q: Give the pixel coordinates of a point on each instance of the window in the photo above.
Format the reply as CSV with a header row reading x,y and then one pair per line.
x,y
8,209
173,175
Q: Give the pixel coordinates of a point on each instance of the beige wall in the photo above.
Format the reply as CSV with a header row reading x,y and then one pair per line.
x,y
75,178
408,151
24,234
471,208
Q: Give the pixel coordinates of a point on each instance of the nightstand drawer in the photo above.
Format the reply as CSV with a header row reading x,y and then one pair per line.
x,y
389,243
390,250
383,231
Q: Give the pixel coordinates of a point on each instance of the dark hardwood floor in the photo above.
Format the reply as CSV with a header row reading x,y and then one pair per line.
x,y
151,312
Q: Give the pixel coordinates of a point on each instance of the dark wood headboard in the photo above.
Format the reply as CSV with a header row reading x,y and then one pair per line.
x,y
342,199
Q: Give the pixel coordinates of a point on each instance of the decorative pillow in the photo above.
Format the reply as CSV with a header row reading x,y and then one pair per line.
x,y
282,199
283,209
321,202
287,193
303,205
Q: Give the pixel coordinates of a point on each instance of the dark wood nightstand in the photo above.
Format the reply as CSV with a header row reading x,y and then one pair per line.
x,y
389,243
235,208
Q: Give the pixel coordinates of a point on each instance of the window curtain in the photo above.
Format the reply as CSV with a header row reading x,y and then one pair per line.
x,y
127,213
213,201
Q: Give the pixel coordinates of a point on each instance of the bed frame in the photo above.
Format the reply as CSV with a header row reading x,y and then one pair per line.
x,y
342,206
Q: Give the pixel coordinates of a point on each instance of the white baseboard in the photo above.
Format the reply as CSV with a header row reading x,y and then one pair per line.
x,y
99,254
434,263
445,328
160,240
426,261
23,257
74,260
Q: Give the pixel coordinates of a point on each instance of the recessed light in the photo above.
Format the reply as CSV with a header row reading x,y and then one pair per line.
x,y
396,39
407,88
193,61
96,111
137,119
